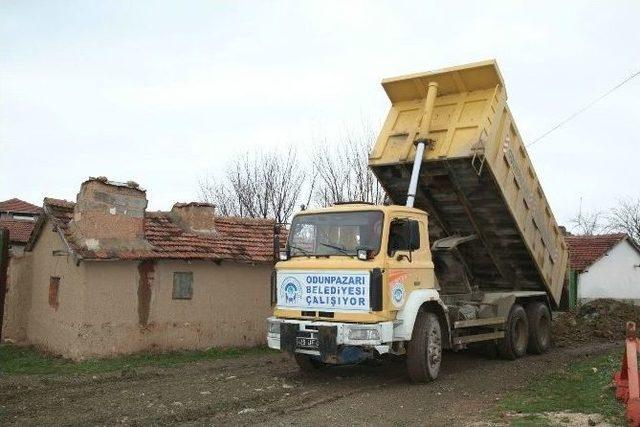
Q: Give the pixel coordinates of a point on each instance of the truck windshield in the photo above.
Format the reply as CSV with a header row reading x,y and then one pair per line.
x,y
336,233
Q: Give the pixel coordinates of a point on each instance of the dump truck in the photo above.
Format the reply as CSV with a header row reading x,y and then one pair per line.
x,y
467,253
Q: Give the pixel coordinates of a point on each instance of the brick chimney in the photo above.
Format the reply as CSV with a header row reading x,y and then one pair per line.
x,y
195,217
110,210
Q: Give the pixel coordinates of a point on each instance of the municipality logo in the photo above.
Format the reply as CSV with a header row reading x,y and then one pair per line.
x,y
292,290
397,293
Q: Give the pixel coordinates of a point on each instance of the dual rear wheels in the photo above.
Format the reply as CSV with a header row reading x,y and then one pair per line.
x,y
526,330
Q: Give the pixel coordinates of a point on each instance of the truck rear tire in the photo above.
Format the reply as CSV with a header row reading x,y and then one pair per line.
x,y
424,352
516,334
307,363
539,318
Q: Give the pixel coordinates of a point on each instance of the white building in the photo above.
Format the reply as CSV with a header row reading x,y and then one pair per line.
x,y
607,266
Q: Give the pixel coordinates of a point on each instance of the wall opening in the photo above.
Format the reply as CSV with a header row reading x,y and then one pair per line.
x,y
146,271
54,287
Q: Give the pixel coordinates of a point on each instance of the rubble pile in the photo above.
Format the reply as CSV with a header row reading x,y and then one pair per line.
x,y
598,320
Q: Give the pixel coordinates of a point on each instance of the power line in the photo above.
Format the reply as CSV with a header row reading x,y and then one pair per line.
x,y
583,109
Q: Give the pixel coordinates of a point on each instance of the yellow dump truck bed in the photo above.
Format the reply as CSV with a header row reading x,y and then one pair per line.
x,y
476,177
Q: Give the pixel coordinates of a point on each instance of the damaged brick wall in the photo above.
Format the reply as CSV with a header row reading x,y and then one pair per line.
x,y
195,217
146,272
106,210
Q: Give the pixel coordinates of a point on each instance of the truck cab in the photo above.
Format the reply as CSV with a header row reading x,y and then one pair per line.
x,y
350,282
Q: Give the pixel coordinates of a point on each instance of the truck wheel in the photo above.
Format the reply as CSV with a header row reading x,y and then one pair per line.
x,y
539,318
307,363
516,334
424,353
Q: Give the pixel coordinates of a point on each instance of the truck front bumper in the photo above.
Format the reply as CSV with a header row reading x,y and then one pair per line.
x,y
330,339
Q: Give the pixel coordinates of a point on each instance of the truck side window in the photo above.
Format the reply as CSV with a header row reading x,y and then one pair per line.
x,y
404,235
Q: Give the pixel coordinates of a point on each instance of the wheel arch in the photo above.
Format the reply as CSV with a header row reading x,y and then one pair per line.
x,y
421,299
443,318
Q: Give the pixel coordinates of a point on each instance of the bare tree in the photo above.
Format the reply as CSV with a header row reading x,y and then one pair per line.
x,y
220,193
588,223
258,185
343,172
626,218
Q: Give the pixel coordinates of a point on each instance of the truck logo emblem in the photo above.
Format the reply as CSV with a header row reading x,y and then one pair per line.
x,y
292,289
397,294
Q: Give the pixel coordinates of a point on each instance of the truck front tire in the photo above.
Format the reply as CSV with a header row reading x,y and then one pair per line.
x,y
539,318
516,334
424,352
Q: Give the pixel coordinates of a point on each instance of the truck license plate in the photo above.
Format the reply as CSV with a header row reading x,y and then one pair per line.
x,y
305,342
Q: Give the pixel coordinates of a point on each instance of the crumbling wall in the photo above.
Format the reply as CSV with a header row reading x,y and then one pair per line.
x,y
106,211
111,323
54,319
18,298
229,306
129,307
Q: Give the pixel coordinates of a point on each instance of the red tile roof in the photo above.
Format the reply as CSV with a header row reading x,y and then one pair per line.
x,y
238,239
19,206
19,230
586,250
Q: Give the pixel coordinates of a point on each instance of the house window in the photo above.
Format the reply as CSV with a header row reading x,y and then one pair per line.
x,y
182,285
54,286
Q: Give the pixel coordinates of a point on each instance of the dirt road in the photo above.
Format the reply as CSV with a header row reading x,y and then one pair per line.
x,y
269,390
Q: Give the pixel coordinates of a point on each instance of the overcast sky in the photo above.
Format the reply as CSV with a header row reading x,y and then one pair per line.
x,y
164,92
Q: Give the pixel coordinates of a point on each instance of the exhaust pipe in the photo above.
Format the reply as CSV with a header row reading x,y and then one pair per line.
x,y
421,141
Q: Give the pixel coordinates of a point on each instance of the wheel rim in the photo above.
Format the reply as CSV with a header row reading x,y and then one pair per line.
x,y
434,347
520,335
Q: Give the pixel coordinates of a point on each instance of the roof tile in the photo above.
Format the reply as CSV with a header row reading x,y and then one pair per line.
x,y
240,239
586,250
19,206
19,230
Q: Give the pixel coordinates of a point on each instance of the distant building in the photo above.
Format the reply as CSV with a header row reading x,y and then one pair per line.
x,y
102,276
603,266
19,217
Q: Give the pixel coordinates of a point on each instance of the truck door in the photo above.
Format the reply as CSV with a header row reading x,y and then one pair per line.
x,y
409,261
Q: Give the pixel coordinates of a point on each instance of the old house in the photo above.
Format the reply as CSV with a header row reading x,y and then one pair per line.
x,y
104,276
603,266
19,218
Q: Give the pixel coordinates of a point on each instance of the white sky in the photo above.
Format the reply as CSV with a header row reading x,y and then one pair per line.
x,y
164,92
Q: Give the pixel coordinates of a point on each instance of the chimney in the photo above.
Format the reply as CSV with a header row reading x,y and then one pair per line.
x,y
195,217
110,210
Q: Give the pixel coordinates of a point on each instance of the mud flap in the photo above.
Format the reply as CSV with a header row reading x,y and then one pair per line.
x,y
328,343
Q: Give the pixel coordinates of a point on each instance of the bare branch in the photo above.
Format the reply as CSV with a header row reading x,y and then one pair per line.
x,y
626,218
343,171
588,223
258,185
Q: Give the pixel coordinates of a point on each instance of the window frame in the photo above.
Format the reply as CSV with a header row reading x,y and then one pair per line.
x,y
376,251
178,295
410,247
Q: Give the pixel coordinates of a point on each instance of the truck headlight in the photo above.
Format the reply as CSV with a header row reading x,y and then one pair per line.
x,y
273,327
364,334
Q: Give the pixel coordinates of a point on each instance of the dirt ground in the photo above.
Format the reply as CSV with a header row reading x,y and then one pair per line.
x,y
269,390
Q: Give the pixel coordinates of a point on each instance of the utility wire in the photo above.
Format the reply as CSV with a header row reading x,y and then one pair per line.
x,y
583,109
